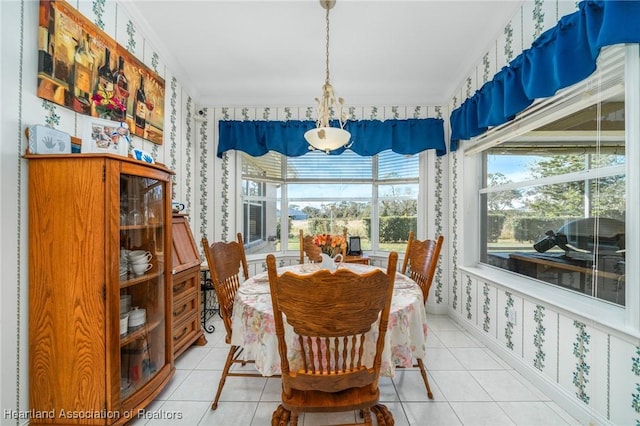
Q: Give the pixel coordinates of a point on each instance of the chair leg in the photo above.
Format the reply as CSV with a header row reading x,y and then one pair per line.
x,y
383,415
280,416
365,414
423,371
225,371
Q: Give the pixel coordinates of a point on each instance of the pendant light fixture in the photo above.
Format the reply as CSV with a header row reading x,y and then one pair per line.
x,y
324,137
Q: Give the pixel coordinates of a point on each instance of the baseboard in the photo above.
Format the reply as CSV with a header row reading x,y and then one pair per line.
x,y
437,309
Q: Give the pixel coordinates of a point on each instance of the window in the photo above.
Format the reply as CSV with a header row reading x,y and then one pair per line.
x,y
553,198
326,193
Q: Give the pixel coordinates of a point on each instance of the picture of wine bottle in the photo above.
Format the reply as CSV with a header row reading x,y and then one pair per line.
x,y
45,59
121,90
105,73
83,64
140,109
52,37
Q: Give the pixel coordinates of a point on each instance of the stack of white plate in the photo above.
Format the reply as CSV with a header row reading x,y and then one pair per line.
x,y
125,303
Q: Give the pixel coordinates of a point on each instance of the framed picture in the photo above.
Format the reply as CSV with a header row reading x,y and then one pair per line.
x,y
100,135
82,68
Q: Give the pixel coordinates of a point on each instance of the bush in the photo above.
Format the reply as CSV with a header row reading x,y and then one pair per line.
x,y
495,222
533,228
317,225
366,223
394,229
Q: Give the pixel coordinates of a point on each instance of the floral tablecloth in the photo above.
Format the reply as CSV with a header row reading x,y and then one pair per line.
x,y
254,327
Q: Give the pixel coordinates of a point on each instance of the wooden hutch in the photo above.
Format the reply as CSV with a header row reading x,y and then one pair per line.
x,y
85,212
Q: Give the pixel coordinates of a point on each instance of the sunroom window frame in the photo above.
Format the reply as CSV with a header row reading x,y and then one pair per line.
x,y
373,181
626,317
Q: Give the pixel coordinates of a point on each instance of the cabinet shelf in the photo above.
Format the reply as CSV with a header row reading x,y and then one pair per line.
x,y
140,279
140,332
141,227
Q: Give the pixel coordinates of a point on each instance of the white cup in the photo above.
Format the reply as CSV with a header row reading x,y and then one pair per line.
x,y
141,259
140,256
141,268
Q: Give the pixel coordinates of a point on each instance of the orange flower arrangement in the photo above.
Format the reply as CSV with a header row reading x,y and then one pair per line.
x,y
330,244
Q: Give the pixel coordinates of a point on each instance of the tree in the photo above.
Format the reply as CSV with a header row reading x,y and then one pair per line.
x,y
503,200
311,212
569,199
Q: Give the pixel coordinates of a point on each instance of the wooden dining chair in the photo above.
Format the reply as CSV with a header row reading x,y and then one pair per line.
x,y
421,260
327,368
309,249
226,261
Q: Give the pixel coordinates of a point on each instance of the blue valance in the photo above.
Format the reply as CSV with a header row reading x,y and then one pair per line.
x,y
560,57
369,137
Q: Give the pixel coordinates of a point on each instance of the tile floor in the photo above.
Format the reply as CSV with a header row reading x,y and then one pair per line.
x,y
471,386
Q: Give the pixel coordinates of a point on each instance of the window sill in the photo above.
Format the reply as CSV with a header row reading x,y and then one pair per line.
x,y
607,315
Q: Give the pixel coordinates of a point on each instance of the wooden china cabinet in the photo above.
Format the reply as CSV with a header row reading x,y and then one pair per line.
x,y
86,212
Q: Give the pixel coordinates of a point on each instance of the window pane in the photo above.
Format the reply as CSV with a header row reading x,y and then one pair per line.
x,y
261,207
547,232
405,191
397,166
266,166
398,211
553,200
326,193
329,208
574,143
318,165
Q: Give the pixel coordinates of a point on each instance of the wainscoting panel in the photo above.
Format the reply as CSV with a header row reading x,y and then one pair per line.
x,y
510,327
488,301
469,299
540,338
624,381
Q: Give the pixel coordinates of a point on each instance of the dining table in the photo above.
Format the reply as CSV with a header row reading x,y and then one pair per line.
x,y
254,327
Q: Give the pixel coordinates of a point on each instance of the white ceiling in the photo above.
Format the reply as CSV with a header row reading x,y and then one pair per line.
x,y
259,53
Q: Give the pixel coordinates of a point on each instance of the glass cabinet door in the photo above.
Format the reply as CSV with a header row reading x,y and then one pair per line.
x,y
142,298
